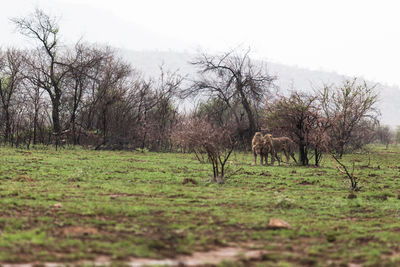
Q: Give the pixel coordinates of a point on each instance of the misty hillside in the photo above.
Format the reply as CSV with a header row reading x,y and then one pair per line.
x,y
289,77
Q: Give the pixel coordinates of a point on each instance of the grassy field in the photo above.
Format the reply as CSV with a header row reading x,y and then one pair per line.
x,y
74,204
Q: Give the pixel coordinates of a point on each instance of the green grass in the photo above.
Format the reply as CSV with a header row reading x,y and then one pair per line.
x,y
133,204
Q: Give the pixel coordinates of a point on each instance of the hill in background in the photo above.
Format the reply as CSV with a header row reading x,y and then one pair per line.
x,y
289,77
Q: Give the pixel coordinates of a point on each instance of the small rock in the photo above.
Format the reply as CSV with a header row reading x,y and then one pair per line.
x,y
57,206
113,196
278,224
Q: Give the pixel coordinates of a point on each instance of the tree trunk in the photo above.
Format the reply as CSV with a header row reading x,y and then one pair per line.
x,y
7,134
249,112
104,124
73,129
317,156
56,120
303,154
35,123
340,150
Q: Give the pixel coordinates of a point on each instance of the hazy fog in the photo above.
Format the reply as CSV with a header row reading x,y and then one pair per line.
x,y
350,37
354,38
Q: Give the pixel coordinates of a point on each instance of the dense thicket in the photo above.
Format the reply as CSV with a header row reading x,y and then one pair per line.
x,y
81,95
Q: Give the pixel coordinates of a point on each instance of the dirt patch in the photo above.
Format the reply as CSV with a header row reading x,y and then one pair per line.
x,y
222,254
207,258
352,196
79,231
189,180
305,182
366,239
177,196
24,152
394,256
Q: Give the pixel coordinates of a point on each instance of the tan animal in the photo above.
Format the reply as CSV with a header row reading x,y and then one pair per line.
x,y
257,146
281,144
262,145
268,148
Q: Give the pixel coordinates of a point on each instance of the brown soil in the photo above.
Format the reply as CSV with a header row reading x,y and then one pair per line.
x,y
79,231
212,257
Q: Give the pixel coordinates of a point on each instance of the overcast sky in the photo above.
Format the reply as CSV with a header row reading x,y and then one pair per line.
x,y
357,38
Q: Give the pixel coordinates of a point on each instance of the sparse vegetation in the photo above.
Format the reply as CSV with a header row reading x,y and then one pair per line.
x,y
123,204
202,137
384,135
131,200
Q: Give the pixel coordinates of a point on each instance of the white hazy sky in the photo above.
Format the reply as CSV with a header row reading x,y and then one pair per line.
x,y
353,37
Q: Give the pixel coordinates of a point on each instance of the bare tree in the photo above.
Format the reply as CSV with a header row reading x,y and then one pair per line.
x,y
385,135
38,100
110,83
48,64
162,112
146,114
349,174
298,118
397,135
37,104
348,107
203,137
10,83
235,80
82,63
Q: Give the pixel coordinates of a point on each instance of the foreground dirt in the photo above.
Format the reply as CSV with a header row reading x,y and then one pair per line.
x,y
213,257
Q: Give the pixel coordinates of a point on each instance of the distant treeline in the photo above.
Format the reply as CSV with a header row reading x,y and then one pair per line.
x,y
87,95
